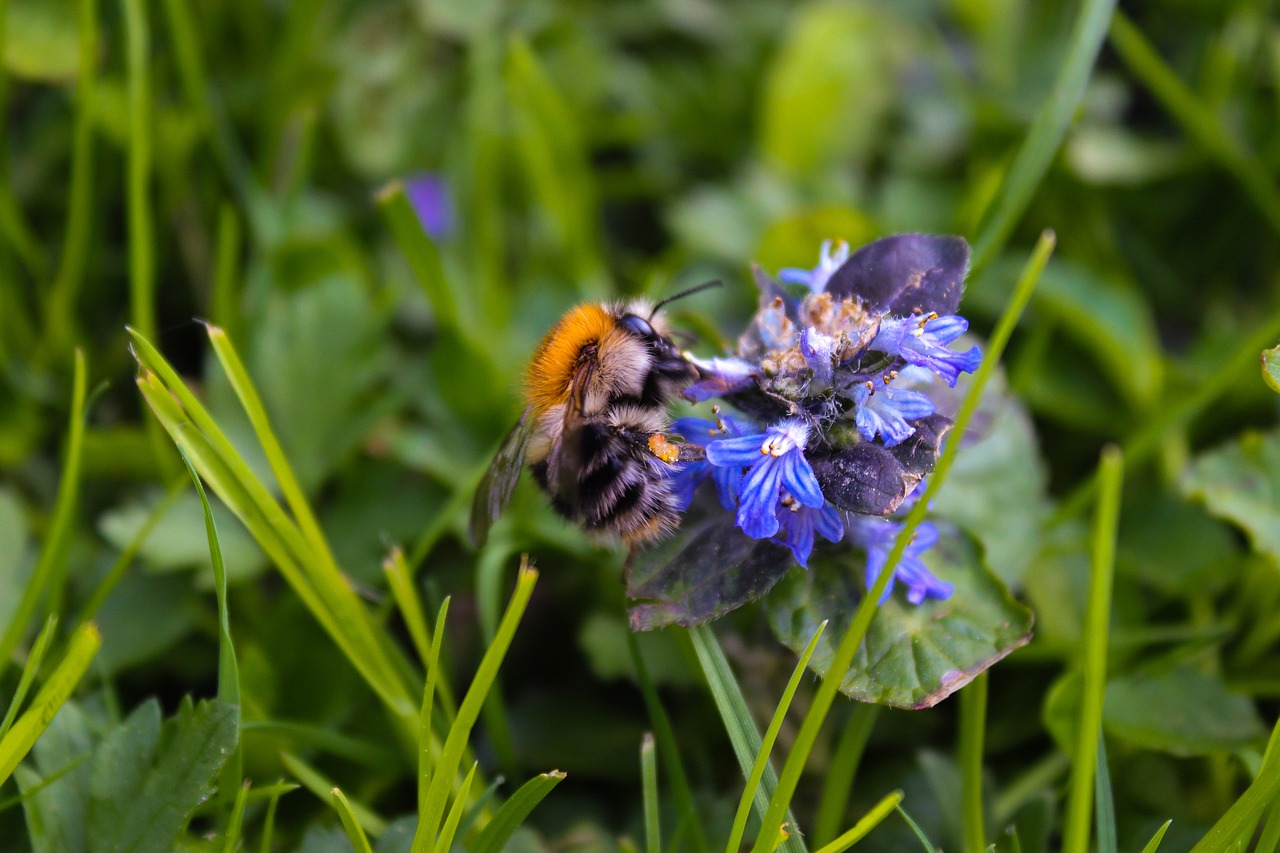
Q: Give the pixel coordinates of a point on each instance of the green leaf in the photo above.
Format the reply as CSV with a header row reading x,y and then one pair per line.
x,y
320,362
1183,711
1240,482
57,817
177,542
1112,322
913,657
147,777
996,490
829,87
1271,368
15,553
41,40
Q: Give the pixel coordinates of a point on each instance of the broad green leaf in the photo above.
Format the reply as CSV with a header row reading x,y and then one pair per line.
x,y
147,777
913,657
1184,712
996,490
320,361
1111,321
57,817
42,40
1240,482
1176,547
15,553
177,540
1271,368
829,87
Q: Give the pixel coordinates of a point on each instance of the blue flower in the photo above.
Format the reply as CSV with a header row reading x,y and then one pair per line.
x,y
818,349
876,536
886,410
774,462
429,195
923,341
816,279
799,523
686,477
720,376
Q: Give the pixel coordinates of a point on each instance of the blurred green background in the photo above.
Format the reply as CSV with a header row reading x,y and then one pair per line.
x,y
235,161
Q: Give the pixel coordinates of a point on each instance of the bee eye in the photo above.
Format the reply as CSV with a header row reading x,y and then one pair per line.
x,y
639,325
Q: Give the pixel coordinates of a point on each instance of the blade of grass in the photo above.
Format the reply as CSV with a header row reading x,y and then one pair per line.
x,y
1154,843
229,777
316,580
317,783
29,671
664,734
141,226
324,739
349,822
28,793
460,732
400,581
1046,131
738,724
480,806
1093,659
488,578
423,256
1245,812
1196,117
63,294
493,838
1105,804
758,767
838,784
231,838
445,841
867,608
224,306
916,830
649,787
1022,788
973,721
269,820
868,822
226,146
22,735
50,570
328,578
428,700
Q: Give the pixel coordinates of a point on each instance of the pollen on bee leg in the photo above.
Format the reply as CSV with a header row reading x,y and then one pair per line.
x,y
663,449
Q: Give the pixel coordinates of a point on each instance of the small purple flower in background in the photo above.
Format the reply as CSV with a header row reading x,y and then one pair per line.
x,y
428,192
885,411
775,462
876,536
923,341
799,523
816,279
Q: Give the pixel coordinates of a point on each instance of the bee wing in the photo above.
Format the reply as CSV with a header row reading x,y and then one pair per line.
x,y
499,481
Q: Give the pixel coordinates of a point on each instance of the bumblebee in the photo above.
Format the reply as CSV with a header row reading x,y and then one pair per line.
x,y
594,430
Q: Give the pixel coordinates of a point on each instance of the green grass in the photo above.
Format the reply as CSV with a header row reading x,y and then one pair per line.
x,y
248,166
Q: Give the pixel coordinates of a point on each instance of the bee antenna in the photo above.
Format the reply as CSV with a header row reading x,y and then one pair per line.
x,y
706,285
